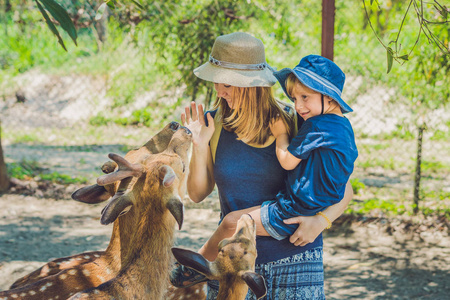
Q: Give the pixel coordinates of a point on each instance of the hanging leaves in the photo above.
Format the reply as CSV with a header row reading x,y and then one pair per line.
x,y
61,16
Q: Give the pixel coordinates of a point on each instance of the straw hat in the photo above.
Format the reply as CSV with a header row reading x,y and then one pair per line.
x,y
237,59
319,74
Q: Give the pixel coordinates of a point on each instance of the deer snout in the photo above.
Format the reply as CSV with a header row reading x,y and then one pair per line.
x,y
187,130
174,125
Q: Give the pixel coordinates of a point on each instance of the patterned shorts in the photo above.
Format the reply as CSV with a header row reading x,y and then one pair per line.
x,y
293,278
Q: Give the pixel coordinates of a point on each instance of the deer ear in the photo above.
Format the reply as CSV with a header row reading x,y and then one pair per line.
x,y
256,283
167,175
192,260
91,194
119,205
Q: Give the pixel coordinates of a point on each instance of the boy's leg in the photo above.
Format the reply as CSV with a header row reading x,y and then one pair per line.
x,y
256,215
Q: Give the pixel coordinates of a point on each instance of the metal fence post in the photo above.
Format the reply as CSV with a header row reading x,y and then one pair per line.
x,y
418,170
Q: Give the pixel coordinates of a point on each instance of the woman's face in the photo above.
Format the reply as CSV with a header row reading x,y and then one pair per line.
x,y
224,91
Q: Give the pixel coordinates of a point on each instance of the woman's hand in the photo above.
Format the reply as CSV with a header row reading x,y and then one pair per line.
x,y
201,134
308,229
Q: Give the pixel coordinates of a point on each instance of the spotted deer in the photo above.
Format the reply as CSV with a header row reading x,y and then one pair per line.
x,y
146,203
234,266
96,194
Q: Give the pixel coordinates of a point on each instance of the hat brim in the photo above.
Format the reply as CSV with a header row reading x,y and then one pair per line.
x,y
313,85
235,77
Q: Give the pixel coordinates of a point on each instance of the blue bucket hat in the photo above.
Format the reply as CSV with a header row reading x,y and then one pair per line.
x,y
319,74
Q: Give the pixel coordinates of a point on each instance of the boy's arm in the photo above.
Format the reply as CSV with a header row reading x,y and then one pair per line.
x,y
286,159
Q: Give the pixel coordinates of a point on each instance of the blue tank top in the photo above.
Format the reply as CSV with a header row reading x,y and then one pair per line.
x,y
247,176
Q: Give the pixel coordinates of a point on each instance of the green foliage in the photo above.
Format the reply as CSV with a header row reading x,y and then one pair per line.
x,y
61,178
24,169
430,167
357,185
388,207
61,16
28,169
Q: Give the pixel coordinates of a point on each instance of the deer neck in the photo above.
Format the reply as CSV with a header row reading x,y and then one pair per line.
x,y
232,289
148,254
119,243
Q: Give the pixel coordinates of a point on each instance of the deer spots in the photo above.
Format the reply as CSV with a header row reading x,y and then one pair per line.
x,y
62,276
96,255
14,296
86,257
72,272
32,293
86,273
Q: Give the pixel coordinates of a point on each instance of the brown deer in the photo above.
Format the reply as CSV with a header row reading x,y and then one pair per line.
x,y
96,194
148,188
234,266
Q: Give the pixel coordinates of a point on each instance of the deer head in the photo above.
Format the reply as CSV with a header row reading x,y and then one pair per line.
x,y
157,144
140,176
234,266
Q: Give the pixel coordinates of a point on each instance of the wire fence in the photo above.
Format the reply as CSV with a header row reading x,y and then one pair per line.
x,y
385,124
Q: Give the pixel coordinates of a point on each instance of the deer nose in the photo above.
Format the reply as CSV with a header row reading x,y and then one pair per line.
x,y
187,130
174,126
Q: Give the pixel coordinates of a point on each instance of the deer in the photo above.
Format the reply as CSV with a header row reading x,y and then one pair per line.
x,y
147,190
234,266
96,194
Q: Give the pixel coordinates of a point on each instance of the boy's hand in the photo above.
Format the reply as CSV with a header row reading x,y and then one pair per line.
x,y
278,128
308,229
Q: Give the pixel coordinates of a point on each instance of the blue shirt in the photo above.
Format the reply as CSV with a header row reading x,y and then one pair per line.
x,y
326,146
247,176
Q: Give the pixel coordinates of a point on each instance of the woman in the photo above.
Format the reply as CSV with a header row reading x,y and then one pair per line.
x,y
235,149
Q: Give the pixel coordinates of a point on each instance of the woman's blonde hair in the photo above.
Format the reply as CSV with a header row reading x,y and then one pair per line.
x,y
255,110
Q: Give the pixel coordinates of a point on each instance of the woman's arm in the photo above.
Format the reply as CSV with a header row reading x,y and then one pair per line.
x,y
286,159
309,228
200,182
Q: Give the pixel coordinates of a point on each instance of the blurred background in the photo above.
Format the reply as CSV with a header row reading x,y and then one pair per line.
x,y
131,73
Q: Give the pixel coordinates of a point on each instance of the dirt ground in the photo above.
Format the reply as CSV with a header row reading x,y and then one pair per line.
x,y
364,259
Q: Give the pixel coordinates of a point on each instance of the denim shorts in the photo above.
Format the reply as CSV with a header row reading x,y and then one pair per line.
x,y
292,278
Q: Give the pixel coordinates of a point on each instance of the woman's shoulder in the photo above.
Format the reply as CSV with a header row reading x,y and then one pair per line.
x,y
287,107
212,112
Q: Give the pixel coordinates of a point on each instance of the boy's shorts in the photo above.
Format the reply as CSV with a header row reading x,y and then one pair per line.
x,y
272,219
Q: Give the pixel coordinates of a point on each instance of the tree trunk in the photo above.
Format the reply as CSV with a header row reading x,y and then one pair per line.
x,y
4,180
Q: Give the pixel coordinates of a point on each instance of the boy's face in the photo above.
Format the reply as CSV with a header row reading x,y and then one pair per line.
x,y
308,103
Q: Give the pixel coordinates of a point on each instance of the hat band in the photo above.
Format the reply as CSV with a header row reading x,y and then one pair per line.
x,y
228,65
319,79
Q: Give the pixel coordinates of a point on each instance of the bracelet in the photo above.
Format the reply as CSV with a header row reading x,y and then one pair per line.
x,y
326,218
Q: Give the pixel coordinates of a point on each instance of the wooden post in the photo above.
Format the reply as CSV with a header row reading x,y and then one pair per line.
x,y
4,180
328,11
